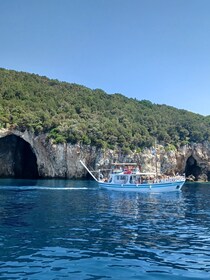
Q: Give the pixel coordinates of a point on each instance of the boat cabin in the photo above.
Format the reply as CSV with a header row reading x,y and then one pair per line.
x,y
125,179
128,173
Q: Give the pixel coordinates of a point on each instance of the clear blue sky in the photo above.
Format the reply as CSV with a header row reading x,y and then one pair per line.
x,y
157,50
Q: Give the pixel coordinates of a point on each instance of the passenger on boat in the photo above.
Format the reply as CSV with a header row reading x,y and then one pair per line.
x,y
127,171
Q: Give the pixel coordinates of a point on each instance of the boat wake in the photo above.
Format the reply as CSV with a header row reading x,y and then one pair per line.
x,y
27,188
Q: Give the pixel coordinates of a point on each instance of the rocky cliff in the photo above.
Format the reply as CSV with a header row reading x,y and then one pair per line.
x,y
25,155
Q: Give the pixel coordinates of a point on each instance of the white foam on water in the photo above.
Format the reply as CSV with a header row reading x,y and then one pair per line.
x,y
41,188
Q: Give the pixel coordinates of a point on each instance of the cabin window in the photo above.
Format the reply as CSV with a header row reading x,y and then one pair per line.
x,y
132,179
135,180
122,179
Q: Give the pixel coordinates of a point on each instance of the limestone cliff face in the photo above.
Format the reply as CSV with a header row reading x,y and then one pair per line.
x,y
24,151
52,161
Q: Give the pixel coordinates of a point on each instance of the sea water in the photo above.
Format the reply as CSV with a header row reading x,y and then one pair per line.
x,y
65,229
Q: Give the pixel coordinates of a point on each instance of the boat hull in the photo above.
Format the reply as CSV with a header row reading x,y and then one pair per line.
x,y
154,187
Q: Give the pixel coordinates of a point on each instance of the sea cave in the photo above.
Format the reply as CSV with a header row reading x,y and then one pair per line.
x,y
192,168
17,159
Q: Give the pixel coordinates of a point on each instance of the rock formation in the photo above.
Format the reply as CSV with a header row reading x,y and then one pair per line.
x,y
25,155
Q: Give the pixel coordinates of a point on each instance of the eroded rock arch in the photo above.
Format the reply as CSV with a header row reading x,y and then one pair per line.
x,y
17,159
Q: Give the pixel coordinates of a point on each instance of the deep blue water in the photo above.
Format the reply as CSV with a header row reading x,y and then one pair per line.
x,y
56,229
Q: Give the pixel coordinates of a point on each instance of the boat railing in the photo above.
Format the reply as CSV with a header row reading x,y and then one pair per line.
x,y
169,179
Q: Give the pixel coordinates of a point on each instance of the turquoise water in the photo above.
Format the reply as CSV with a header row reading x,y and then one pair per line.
x,y
56,229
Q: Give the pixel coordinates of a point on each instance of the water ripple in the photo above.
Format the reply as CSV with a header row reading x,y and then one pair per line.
x,y
96,234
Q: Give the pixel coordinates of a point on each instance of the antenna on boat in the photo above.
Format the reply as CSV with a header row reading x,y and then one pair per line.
x,y
156,157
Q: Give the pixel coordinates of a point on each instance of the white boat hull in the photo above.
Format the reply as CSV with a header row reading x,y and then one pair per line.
x,y
154,187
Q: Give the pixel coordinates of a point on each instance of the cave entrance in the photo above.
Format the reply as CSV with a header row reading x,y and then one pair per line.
x,y
17,159
192,168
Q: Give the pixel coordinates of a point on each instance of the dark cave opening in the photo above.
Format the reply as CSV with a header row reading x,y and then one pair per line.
x,y
192,168
17,159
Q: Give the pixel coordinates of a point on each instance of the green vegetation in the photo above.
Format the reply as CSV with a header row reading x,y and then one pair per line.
x,y
76,114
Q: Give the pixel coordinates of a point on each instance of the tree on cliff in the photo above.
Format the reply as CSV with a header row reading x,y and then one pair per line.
x,y
74,113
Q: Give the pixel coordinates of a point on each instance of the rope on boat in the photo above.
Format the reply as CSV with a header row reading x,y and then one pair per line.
x,y
88,171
